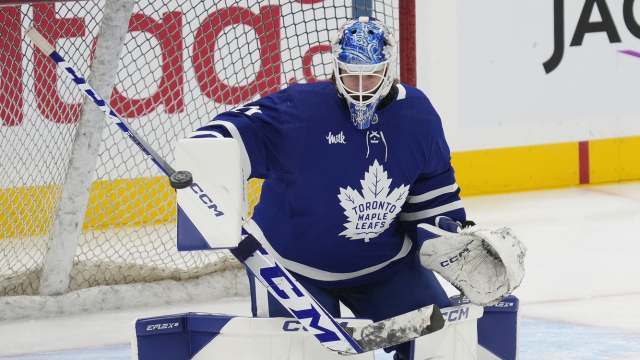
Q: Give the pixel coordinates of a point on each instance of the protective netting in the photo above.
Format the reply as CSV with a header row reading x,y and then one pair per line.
x,y
183,62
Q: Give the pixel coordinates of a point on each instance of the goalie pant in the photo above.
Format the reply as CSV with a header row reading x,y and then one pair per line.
x,y
409,287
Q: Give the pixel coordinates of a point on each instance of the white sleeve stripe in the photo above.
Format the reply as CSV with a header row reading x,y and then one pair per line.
x,y
402,92
246,162
318,274
431,212
203,132
432,194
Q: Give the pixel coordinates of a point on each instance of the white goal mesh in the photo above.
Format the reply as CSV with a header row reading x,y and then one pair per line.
x,y
183,61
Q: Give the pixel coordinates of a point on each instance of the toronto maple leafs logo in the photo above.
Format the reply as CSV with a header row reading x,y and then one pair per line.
x,y
371,212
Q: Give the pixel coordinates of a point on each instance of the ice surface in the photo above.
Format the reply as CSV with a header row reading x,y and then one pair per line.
x,y
579,299
547,340
539,340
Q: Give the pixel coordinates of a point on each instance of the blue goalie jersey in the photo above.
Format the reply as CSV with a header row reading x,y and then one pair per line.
x,y
340,205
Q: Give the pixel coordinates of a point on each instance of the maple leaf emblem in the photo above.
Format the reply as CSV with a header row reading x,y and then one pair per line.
x,y
370,213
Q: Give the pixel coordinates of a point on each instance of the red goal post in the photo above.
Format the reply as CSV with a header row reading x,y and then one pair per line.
x,y
180,62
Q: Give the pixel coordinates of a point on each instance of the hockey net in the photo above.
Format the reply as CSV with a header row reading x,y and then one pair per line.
x,y
182,62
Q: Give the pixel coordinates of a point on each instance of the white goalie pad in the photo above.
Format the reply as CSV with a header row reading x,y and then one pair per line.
x,y
201,336
271,339
485,265
458,340
210,210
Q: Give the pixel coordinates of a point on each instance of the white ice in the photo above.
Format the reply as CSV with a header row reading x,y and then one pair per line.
x,y
579,300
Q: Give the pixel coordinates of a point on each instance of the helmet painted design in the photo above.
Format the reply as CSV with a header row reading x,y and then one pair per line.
x,y
364,66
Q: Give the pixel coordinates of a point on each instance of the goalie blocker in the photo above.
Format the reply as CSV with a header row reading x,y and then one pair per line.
x,y
203,336
217,224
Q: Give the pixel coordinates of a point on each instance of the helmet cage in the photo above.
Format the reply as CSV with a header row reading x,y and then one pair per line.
x,y
365,80
361,82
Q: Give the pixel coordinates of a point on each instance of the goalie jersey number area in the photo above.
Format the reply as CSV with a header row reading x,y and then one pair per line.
x,y
332,202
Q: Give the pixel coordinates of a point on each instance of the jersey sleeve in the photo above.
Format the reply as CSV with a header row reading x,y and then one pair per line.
x,y
435,192
255,126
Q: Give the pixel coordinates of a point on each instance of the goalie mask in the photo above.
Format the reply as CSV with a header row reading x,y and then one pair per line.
x,y
363,56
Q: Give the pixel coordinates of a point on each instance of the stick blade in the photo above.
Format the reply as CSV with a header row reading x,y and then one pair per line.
x,y
398,329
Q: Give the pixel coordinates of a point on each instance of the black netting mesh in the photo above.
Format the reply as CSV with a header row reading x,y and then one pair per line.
x,y
183,61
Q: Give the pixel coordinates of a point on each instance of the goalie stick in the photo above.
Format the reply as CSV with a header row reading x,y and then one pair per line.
x,y
263,266
178,179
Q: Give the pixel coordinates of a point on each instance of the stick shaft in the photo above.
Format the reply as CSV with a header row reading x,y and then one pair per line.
x,y
148,151
294,297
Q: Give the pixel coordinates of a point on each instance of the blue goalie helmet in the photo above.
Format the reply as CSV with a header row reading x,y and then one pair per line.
x,y
364,66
